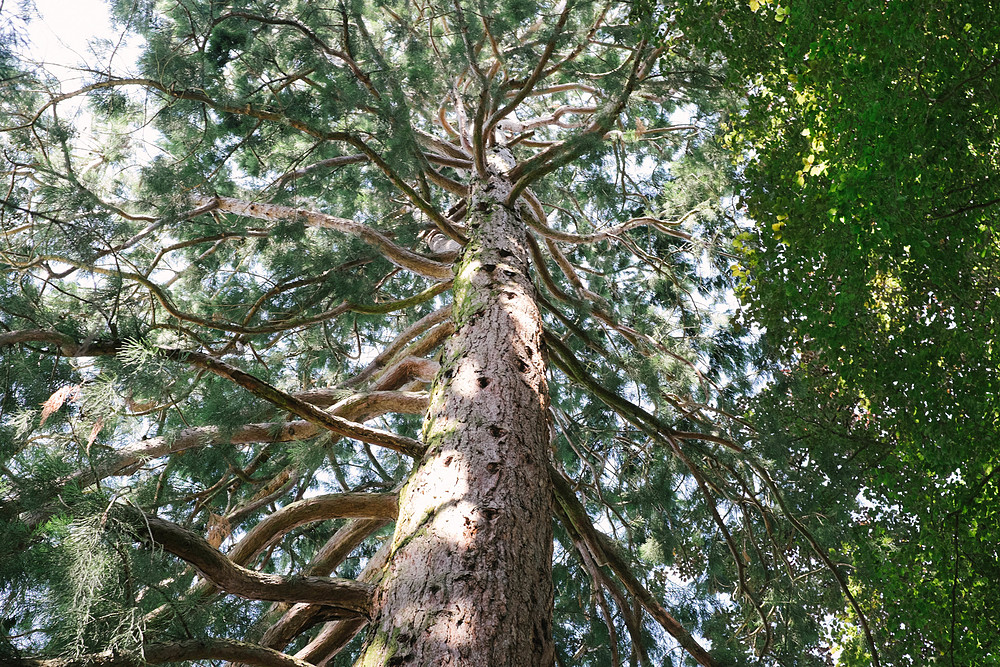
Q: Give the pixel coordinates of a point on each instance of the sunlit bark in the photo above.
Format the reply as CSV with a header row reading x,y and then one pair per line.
x,y
469,578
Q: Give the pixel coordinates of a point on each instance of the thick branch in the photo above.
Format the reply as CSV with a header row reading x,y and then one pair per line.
x,y
377,508
297,406
396,346
290,176
318,508
68,346
301,617
398,255
180,651
336,634
352,598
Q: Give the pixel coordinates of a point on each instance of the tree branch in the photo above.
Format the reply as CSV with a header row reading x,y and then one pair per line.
x,y
607,554
378,508
350,597
563,359
336,634
179,651
563,152
399,256
356,407
300,617
254,385
396,346
297,406
535,76
318,508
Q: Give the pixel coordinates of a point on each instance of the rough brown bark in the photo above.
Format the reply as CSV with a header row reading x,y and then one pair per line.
x,y
469,581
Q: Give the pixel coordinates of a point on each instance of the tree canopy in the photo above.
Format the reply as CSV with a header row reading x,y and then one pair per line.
x,y
869,144
331,315
219,263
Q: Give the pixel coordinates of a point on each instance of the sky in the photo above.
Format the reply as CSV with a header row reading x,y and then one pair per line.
x,y
60,32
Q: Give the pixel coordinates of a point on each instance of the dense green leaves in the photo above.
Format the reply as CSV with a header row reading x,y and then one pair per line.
x,y
869,144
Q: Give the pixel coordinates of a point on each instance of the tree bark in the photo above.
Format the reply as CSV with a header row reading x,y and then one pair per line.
x,y
469,577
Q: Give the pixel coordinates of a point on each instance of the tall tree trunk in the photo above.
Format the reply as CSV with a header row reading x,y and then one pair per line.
x,y
469,580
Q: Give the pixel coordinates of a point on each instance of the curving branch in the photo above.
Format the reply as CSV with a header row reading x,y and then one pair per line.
x,y
298,618
563,359
537,220
377,508
357,407
606,553
535,76
432,142
273,327
179,651
70,347
398,255
345,596
382,506
563,152
297,406
336,634
341,161
395,348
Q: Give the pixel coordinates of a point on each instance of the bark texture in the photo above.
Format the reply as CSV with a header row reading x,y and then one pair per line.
x,y
469,581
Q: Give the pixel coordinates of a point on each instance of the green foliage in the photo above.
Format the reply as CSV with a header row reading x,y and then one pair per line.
x,y
868,150
117,249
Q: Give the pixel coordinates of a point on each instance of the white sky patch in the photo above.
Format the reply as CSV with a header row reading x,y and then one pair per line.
x,y
62,34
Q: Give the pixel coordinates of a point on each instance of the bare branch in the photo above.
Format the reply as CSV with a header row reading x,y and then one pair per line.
x,y
297,406
290,176
378,508
179,651
357,407
318,508
336,634
350,597
298,618
399,256
403,339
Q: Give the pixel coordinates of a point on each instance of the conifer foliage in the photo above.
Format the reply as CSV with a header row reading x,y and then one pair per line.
x,y
328,316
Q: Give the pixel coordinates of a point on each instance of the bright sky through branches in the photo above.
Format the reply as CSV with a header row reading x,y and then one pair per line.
x,y
61,35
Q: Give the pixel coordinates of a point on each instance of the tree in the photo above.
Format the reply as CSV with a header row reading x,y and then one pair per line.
x,y
869,137
291,219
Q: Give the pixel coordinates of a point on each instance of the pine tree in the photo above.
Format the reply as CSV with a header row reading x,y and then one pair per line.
x,y
477,225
